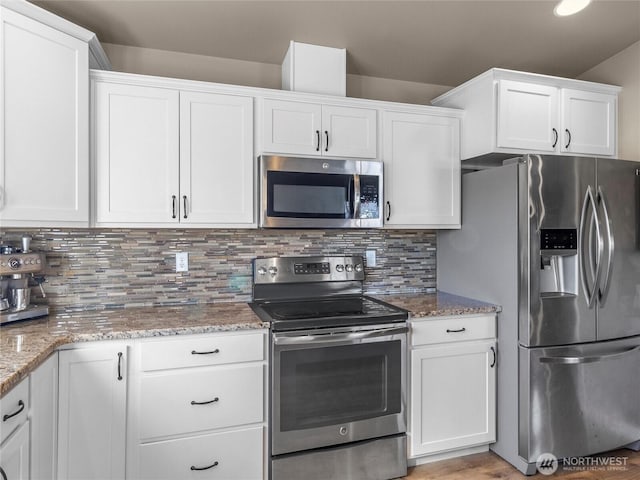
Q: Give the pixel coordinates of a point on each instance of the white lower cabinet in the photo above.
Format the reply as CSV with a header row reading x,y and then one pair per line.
x,y
196,407
14,455
43,383
92,411
229,456
453,382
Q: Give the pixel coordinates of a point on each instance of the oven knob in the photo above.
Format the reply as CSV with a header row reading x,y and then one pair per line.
x,y
343,431
339,268
358,267
273,271
349,268
262,271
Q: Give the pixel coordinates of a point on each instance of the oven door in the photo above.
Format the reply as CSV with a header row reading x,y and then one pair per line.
x,y
337,387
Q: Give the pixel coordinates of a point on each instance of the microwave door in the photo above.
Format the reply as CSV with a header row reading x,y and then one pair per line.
x,y
301,199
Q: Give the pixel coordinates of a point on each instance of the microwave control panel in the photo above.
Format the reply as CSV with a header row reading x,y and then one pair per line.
x,y
369,196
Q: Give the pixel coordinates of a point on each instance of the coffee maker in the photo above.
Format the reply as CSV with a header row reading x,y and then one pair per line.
x,y
18,269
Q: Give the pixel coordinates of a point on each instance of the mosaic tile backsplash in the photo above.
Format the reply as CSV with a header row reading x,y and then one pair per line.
x,y
116,268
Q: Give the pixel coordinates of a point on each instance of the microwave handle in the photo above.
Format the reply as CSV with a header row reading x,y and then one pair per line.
x,y
356,196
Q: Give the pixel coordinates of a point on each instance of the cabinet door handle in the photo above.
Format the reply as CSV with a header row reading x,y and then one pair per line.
x,y
495,357
214,464
388,210
317,140
184,204
173,206
566,130
459,330
555,141
4,475
193,352
20,409
119,365
326,146
193,402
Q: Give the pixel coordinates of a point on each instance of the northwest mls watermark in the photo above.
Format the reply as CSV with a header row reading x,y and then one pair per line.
x,y
548,464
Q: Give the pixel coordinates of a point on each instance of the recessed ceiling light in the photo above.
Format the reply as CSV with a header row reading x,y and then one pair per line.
x,y
569,7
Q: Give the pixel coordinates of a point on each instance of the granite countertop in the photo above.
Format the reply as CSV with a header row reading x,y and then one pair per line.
x,y
25,345
438,304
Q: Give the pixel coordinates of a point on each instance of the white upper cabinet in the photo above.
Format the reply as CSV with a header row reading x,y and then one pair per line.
x,y
216,158
422,170
588,122
136,154
508,112
44,118
527,116
323,130
166,156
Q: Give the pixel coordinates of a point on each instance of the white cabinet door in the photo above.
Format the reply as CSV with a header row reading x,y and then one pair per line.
x,y
291,127
44,120
92,412
349,132
527,116
14,455
312,129
216,158
136,154
452,396
44,419
588,122
422,170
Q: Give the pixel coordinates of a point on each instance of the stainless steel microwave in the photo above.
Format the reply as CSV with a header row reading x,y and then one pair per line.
x,y
301,192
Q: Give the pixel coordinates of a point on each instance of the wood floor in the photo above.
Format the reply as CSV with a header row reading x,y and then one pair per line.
x,y
487,466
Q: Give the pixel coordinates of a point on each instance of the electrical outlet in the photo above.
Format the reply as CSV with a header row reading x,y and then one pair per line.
x,y
371,258
182,262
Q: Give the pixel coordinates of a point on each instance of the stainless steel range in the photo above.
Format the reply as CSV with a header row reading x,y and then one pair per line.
x,y
338,371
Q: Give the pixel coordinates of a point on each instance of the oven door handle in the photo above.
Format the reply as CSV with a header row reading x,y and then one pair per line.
x,y
337,337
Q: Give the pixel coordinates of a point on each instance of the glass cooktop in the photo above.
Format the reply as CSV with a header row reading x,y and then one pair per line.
x,y
327,312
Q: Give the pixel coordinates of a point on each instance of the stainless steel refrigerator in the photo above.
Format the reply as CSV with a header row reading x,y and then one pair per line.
x,y
556,242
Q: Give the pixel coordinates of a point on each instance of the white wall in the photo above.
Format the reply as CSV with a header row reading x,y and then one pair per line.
x,y
163,63
623,69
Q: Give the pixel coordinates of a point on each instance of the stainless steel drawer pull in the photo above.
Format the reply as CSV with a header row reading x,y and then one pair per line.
x,y
20,409
456,331
193,402
193,352
214,464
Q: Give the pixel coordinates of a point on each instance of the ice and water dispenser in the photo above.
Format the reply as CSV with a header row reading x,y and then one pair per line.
x,y
558,262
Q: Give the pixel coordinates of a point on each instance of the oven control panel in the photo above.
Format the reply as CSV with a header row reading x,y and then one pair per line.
x,y
307,269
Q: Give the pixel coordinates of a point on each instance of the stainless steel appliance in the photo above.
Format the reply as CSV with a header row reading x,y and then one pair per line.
x,y
299,192
17,269
338,371
556,242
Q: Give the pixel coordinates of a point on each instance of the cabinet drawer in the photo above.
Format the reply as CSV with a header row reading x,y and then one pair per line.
x,y
222,396
238,455
194,351
452,329
14,406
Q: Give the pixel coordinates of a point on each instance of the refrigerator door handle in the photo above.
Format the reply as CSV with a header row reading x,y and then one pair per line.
x,y
604,288
587,359
590,294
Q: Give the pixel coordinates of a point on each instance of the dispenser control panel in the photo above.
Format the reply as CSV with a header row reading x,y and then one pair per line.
x,y
558,239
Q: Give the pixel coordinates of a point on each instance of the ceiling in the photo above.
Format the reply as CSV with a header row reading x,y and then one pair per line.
x,y
441,42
